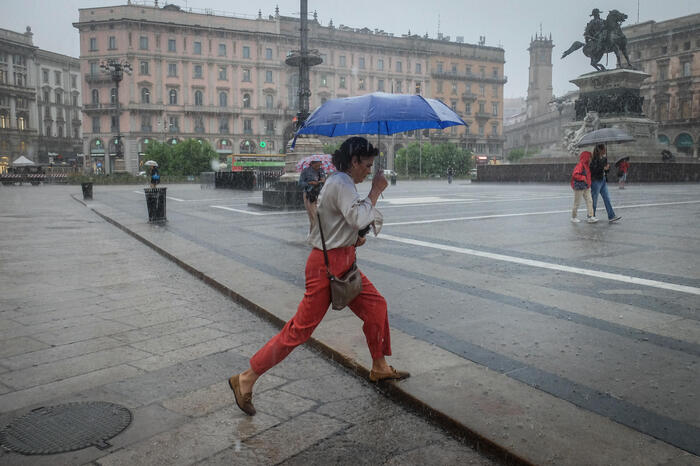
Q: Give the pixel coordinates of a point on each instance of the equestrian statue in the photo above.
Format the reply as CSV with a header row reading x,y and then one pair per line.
x,y
603,36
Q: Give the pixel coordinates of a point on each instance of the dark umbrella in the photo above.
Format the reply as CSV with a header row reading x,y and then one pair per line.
x,y
378,113
626,157
605,136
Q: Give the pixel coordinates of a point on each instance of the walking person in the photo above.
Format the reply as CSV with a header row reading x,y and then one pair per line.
x,y
311,180
581,184
155,176
599,168
622,167
344,214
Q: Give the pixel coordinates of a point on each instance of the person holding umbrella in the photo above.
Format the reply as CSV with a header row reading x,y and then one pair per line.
x,y
623,166
343,215
599,167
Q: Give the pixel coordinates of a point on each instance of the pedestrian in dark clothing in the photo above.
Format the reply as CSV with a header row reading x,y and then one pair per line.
x,y
622,169
599,168
155,176
311,180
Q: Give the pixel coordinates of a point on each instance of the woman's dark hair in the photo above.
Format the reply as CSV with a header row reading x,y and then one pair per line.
x,y
352,147
598,149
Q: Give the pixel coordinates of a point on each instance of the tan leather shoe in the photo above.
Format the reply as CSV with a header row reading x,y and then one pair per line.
x,y
244,401
393,374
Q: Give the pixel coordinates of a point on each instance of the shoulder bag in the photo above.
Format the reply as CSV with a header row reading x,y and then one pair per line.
x,y
343,289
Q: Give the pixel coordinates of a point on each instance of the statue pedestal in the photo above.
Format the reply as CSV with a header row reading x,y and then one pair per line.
x,y
614,95
286,193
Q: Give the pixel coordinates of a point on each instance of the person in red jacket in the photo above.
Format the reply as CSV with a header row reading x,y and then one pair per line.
x,y
622,168
581,184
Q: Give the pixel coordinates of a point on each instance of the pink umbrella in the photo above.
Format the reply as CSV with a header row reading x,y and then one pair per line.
x,y
325,159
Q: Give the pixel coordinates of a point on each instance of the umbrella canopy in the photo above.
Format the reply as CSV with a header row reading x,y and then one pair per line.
x,y
605,136
325,159
618,161
22,161
379,113
151,163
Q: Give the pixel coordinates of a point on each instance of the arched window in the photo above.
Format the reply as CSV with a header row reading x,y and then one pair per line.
x,y
198,98
269,102
95,96
246,100
4,120
113,96
21,123
172,96
223,99
145,96
247,147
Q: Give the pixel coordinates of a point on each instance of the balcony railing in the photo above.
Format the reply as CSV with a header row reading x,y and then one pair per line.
x,y
97,78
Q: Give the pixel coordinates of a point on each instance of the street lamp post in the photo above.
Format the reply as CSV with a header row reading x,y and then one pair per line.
x,y
116,70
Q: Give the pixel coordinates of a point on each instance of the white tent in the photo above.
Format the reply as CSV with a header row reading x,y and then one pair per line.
x,y
22,161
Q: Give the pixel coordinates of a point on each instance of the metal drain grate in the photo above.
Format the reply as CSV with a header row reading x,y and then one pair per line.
x,y
66,427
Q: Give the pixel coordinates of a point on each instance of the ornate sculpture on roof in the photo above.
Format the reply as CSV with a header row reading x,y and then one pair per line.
x,y
603,36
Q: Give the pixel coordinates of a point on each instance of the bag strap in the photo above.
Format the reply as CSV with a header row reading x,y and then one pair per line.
x,y
323,241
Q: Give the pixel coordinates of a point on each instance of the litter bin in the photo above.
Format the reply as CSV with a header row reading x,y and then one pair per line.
x,y
87,191
155,201
393,179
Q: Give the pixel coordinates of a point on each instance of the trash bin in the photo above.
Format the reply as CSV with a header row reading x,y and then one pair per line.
x,y
87,191
155,202
393,179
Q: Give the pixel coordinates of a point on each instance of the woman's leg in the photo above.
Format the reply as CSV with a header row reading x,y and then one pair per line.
x,y
595,190
577,200
606,199
589,201
371,307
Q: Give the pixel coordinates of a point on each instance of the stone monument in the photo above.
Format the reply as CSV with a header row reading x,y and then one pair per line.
x,y
286,193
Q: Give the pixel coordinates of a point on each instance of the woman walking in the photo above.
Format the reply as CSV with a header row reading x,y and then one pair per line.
x,y
343,214
581,184
599,168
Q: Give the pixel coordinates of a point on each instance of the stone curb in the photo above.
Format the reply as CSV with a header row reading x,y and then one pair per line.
x,y
395,392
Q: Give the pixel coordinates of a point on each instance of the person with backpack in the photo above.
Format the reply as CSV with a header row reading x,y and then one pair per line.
x,y
581,184
155,176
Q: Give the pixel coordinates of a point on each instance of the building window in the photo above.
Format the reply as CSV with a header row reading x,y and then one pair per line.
x,y
47,99
439,67
113,96
419,68
246,100
246,76
197,71
270,126
145,96
468,109
74,101
223,99
197,48
399,67
144,67
361,63
268,54
45,76
223,129
439,86
342,61
222,50
494,108
172,97
454,87
171,45
93,68
494,91
418,87
95,124
112,43
174,124
361,84
73,81
494,129
399,87
380,85
143,43
198,98
199,124
57,77
482,107
247,126
342,82
380,64
481,131
687,69
324,80
21,123
268,76
223,74
93,44
95,96
269,101
482,71
146,124
246,51
59,97
482,90
495,72
172,69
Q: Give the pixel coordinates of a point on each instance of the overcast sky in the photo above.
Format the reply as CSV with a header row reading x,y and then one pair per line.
x,y
506,23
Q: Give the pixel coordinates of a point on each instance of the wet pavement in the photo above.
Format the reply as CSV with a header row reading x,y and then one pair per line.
x,y
555,342
90,313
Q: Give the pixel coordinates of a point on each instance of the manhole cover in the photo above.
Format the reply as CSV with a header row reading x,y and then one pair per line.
x,y
67,427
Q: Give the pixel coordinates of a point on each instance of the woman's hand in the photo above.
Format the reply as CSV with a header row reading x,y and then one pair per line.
x,y
379,184
360,241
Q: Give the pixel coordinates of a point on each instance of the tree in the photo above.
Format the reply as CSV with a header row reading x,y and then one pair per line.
x,y
330,148
190,157
517,154
436,159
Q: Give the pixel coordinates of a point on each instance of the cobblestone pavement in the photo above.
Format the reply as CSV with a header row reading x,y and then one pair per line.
x,y
89,313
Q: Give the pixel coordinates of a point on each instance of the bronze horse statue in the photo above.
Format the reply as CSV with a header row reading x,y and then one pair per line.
x,y
607,37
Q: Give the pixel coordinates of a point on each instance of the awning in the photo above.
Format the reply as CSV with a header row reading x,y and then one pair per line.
x,y
22,161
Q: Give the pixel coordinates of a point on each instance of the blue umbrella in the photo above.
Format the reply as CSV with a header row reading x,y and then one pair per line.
x,y
378,113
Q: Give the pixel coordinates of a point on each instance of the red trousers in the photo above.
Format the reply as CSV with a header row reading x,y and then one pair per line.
x,y
369,306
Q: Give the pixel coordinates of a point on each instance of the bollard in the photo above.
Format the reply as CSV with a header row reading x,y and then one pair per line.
x,y
87,191
155,202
